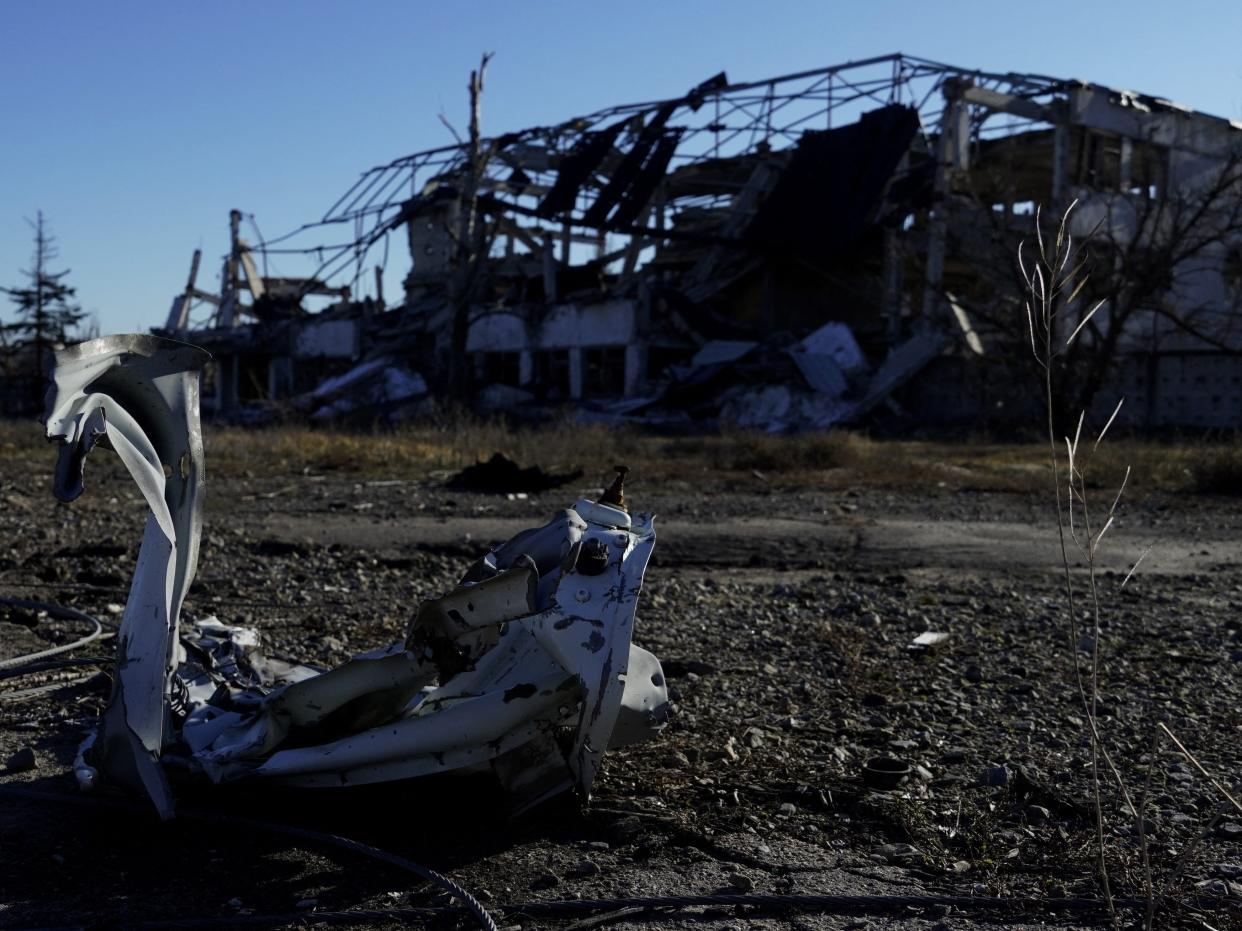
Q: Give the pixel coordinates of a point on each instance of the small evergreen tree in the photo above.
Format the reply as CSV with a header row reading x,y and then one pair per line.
x,y
46,314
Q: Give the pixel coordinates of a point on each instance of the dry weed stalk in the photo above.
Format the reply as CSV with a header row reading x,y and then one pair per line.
x,y
1054,283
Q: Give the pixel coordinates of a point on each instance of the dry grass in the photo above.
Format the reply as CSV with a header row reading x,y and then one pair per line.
x,y
411,451
829,459
1218,471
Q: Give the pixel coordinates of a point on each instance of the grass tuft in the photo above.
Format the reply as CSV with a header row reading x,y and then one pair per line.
x,y
1217,471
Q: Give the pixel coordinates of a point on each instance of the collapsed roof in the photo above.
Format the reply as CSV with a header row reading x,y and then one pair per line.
x,y
738,211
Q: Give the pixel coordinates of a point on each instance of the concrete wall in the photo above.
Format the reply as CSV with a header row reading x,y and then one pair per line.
x,y
569,328
1195,390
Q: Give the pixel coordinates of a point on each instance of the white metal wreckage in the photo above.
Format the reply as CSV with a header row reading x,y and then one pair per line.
x,y
526,668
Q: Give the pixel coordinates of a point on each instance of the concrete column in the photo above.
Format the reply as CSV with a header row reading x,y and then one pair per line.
x,y
227,383
1060,164
635,367
526,367
575,372
279,378
891,283
952,153
549,273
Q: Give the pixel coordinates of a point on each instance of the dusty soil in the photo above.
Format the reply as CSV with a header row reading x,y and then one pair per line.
x,y
783,613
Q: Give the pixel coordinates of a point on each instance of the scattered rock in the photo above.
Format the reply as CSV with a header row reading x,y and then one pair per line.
x,y
741,882
996,776
625,830
928,640
546,881
1224,888
895,853
1037,814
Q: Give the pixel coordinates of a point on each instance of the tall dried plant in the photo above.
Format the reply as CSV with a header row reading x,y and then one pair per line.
x,y
1054,278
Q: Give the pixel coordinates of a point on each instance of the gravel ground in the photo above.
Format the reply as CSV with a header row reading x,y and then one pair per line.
x,y
784,615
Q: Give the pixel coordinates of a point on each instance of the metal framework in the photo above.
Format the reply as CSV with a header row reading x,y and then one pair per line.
x,y
716,120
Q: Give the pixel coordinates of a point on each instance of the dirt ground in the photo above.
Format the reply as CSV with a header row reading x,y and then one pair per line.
x,y
783,608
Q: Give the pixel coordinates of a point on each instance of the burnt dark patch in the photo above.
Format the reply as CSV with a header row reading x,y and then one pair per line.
x,y
524,690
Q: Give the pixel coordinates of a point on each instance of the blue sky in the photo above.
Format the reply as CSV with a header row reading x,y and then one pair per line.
x,y
135,126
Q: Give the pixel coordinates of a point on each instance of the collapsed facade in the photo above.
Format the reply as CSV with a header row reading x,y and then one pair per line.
x,y
795,252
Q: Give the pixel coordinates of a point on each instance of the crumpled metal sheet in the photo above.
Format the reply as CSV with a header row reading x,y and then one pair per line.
x,y
140,394
526,668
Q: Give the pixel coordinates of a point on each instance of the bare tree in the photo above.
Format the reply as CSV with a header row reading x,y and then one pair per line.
x,y
471,242
1160,264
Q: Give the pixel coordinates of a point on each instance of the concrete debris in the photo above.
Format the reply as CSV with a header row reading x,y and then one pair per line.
x,y
506,399
928,640
785,385
781,409
903,363
525,670
383,387
720,351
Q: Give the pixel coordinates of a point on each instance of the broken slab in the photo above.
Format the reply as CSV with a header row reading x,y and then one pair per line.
x,y
721,351
381,384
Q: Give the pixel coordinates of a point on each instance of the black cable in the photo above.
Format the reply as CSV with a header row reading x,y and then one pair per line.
x,y
18,695
54,610
45,665
37,662
825,904
472,904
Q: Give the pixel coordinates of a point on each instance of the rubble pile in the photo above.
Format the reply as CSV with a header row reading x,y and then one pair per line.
x,y
781,386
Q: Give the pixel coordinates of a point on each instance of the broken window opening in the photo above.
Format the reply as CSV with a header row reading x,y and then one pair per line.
x,y
1231,269
1149,169
1097,159
502,368
661,358
252,377
552,372
603,371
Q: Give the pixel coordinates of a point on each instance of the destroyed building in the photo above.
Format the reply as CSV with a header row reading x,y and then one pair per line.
x,y
795,252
